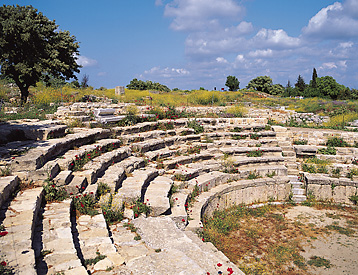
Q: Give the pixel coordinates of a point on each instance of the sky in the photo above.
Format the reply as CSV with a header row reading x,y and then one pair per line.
x,y
188,44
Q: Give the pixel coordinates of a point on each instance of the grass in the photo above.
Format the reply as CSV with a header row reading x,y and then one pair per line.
x,y
263,241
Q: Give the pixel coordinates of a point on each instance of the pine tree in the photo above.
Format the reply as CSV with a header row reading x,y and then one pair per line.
x,y
314,78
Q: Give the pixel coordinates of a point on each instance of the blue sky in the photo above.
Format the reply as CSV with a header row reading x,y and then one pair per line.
x,y
189,44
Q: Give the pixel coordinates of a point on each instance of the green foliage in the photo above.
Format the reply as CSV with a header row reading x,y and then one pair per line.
x,y
319,262
336,172
136,84
6,171
194,149
54,193
354,199
300,84
102,188
5,269
53,52
327,151
309,168
300,142
254,136
85,204
99,257
194,124
316,160
256,153
139,208
260,84
111,215
253,175
238,137
352,172
232,83
337,142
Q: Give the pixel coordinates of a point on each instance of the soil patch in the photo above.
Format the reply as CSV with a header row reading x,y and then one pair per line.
x,y
287,239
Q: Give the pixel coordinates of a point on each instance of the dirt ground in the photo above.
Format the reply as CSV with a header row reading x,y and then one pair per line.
x,y
339,248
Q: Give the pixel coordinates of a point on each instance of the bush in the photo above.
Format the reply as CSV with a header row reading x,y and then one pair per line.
x,y
139,208
309,168
236,111
300,142
53,193
336,142
196,126
85,204
327,151
257,153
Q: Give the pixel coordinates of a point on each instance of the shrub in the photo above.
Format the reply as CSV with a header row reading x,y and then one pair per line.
x,y
336,172
308,168
102,188
112,216
194,150
336,142
238,137
257,153
253,175
85,204
254,136
352,172
197,127
354,199
327,151
139,208
236,111
300,142
53,193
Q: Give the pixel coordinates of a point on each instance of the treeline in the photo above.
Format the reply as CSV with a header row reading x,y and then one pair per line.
x,y
323,87
136,84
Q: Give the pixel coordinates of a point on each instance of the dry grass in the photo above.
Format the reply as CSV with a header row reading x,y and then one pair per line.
x,y
266,242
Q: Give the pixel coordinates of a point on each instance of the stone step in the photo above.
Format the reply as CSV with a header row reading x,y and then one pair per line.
x,y
94,238
263,171
209,180
57,240
66,160
133,186
298,191
93,169
156,195
113,176
7,187
63,178
180,160
292,172
242,162
19,222
289,154
162,233
267,151
299,198
45,150
179,207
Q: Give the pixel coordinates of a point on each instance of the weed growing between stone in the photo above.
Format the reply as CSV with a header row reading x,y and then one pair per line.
x,y
52,193
197,127
85,204
93,261
256,153
140,207
5,269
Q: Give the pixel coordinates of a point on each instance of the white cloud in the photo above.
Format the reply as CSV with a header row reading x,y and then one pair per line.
x,y
336,21
221,60
278,38
102,74
261,53
159,2
86,61
200,14
166,72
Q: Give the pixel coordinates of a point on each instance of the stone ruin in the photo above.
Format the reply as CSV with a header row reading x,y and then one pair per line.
x,y
145,162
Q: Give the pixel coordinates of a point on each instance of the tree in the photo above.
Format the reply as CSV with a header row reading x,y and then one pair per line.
x,y
328,87
85,80
232,83
136,84
314,79
260,84
32,46
300,84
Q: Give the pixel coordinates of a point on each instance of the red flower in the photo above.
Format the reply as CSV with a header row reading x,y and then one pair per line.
x,y
136,215
82,205
183,220
104,213
219,264
3,263
4,233
53,186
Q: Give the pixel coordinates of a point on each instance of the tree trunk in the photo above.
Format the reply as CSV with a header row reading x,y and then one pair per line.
x,y
24,94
